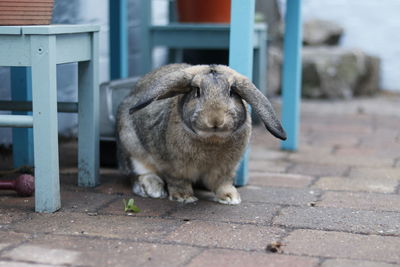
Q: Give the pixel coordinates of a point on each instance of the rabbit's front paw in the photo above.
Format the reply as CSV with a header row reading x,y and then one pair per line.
x,y
227,194
149,185
182,192
183,198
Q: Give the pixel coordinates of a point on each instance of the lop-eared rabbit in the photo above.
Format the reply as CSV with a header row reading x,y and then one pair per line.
x,y
183,125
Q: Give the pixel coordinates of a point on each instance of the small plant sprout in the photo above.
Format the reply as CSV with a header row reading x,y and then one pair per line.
x,y
130,206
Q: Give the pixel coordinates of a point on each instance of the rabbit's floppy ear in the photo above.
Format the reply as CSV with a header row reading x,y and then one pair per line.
x,y
248,91
170,85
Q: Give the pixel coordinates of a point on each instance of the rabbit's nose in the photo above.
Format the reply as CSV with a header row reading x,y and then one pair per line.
x,y
215,123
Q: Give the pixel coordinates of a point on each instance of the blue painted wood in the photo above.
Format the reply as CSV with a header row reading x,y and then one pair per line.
x,y
66,107
58,29
23,121
45,127
88,132
118,16
10,30
72,47
21,89
292,74
260,69
20,59
241,36
146,42
49,29
260,61
241,57
42,47
197,36
200,35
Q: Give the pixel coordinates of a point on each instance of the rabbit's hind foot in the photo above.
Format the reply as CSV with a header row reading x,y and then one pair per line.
x,y
227,194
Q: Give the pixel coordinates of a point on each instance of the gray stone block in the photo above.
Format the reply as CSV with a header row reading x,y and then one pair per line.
x,y
334,72
339,219
318,32
276,195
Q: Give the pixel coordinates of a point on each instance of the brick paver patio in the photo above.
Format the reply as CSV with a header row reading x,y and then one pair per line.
x,y
335,202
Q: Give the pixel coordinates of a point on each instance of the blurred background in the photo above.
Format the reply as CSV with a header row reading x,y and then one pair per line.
x,y
350,48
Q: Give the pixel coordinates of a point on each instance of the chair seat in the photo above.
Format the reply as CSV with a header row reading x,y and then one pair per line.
x,y
73,43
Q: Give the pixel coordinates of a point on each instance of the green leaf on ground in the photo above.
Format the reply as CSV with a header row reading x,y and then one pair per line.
x,y
130,206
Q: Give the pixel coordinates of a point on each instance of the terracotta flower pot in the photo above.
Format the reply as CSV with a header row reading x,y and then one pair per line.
x,y
26,12
214,11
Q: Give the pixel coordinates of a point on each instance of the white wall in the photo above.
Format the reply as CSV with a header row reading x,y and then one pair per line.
x,y
96,12
372,25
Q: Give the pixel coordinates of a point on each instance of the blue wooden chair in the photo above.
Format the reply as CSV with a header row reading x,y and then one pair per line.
x,y
241,47
40,49
177,36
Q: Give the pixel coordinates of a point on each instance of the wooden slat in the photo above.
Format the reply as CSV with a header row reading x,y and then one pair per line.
x,y
26,1
25,13
24,4
24,22
24,17
23,121
61,29
5,9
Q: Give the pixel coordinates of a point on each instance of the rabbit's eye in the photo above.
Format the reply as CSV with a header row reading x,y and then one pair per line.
x,y
197,91
231,91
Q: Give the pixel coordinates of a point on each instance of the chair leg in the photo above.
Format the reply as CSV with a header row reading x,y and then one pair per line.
x,y
260,70
146,43
45,126
21,89
88,132
260,64
241,57
291,83
118,16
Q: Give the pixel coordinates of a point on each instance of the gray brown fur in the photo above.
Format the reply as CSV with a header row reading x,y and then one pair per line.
x,y
179,135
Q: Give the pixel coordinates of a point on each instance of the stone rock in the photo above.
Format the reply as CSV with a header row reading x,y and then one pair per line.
x,y
338,73
369,83
321,32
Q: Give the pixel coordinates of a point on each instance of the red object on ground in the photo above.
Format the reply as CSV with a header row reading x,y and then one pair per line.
x,y
24,185
213,11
